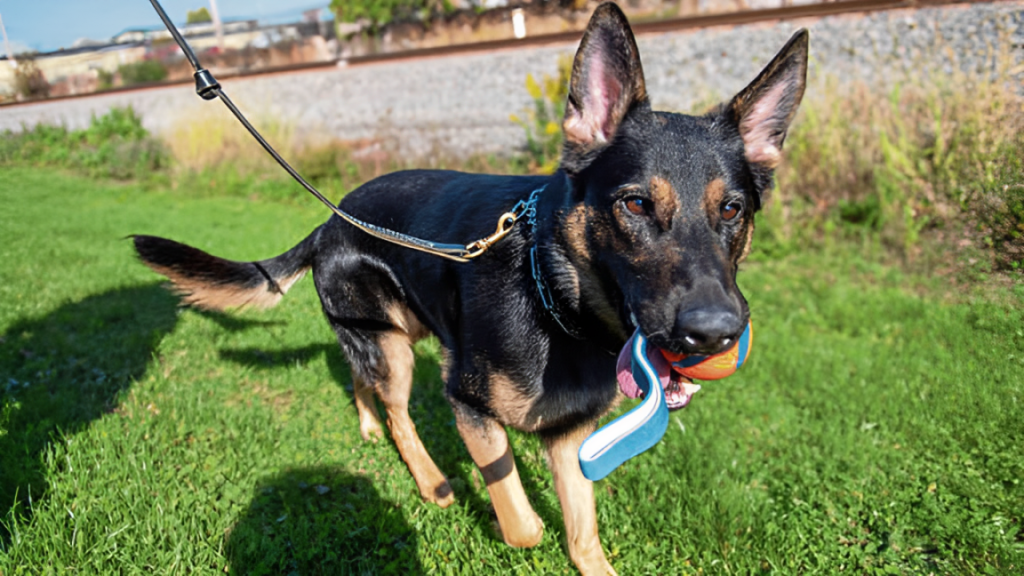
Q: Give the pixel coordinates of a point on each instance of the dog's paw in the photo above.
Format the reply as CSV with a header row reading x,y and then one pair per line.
x,y
596,567
443,495
371,430
590,559
528,533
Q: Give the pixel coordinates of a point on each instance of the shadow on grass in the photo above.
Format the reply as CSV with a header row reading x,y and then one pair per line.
x,y
321,520
63,370
67,368
434,423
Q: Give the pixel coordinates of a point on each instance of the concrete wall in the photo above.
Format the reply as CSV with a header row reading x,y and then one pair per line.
x,y
461,104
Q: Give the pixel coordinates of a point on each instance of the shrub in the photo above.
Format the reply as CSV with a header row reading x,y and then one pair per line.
x,y
142,71
199,16
381,12
115,145
29,80
104,79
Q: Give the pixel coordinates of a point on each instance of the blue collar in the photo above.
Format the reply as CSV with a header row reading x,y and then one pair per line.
x,y
547,298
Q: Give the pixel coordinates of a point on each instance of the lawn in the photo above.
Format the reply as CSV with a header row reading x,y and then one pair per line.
x,y
876,429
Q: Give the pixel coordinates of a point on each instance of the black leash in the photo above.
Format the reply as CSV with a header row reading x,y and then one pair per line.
x,y
208,88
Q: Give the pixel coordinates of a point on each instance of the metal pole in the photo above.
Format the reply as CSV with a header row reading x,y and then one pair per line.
x,y
7,45
217,26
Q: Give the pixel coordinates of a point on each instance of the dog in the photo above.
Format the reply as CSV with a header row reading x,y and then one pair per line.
x,y
642,227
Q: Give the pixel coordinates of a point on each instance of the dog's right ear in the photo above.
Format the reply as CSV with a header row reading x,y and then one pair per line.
x,y
607,80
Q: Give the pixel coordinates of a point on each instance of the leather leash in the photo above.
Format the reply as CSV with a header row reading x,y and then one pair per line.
x,y
208,88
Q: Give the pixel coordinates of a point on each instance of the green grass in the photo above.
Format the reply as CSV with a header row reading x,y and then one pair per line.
x,y
875,429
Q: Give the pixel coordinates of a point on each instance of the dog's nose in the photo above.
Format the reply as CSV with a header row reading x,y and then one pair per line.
x,y
707,330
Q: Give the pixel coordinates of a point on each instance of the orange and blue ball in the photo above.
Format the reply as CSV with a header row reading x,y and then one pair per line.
x,y
716,366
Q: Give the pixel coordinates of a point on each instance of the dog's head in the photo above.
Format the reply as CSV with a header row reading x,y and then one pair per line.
x,y
662,205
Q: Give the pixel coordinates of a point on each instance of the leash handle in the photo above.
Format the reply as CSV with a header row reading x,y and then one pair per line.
x,y
208,88
635,431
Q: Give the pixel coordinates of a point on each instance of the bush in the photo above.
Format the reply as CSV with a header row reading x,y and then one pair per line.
x,y
29,80
380,12
115,145
142,72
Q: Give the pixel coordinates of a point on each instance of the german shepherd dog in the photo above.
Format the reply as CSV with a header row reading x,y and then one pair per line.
x,y
642,228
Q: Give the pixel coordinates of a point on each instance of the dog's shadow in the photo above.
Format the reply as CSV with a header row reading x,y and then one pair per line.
x,y
62,370
434,422
321,520
71,366
67,368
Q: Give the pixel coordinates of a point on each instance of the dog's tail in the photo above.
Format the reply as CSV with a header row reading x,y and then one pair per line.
x,y
206,281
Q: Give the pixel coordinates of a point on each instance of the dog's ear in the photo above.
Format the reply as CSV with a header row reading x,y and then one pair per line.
x,y
763,110
607,80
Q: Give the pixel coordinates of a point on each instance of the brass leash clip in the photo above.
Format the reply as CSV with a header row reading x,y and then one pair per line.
x,y
505,225
506,222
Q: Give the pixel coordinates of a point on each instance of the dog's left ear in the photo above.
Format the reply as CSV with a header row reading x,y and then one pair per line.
x,y
763,110
607,81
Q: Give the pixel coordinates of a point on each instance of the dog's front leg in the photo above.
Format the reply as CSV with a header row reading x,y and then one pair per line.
x,y
576,494
488,445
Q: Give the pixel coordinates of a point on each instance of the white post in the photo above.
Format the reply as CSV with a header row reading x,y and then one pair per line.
x,y
217,26
518,24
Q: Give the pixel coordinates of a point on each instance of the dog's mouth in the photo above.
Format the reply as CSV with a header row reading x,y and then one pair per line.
x,y
678,388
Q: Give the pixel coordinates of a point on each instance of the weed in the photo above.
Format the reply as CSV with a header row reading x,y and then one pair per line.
x,y
894,166
542,122
215,155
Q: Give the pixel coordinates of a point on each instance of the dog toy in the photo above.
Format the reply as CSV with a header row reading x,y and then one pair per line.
x,y
716,366
648,375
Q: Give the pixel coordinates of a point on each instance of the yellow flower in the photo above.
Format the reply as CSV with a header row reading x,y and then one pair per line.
x,y
532,87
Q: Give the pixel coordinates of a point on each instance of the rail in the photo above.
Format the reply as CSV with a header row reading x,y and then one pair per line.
x,y
640,28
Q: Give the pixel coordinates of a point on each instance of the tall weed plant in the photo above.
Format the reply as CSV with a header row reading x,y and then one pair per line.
x,y
215,155
542,122
939,156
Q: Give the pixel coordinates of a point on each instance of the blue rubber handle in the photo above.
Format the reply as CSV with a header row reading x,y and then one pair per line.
x,y
635,431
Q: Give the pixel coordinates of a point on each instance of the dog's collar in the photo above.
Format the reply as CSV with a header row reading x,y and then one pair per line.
x,y
547,298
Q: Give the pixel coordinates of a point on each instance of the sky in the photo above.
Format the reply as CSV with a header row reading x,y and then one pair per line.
x,y
46,25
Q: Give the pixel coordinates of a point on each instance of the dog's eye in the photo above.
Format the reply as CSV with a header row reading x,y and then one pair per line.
x,y
731,209
637,205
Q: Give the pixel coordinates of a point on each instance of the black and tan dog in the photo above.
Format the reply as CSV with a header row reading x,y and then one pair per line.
x,y
643,226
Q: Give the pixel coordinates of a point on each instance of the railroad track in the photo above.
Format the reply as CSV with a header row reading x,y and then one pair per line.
x,y
639,28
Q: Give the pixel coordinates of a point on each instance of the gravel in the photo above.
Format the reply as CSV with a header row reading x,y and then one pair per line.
x,y
458,105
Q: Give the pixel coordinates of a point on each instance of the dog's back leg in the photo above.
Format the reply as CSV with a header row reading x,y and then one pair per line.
x,y
394,392
376,330
369,419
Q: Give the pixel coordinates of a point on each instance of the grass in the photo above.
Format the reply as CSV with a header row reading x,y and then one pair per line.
x,y
876,428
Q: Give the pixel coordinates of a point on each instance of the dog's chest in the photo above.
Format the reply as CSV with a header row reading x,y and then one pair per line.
x,y
567,391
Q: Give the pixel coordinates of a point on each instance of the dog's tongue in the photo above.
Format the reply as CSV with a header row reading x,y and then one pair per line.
x,y
678,390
